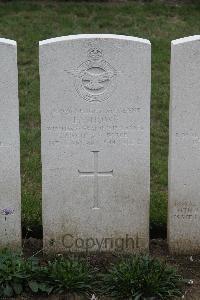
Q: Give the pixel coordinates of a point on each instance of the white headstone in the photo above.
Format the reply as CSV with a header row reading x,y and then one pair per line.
x,y
184,151
10,198
95,107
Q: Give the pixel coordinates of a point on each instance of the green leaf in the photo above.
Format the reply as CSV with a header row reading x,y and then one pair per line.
x,y
8,291
138,297
33,286
17,287
45,288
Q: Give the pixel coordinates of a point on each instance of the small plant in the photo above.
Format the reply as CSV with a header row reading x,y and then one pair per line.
x,y
70,276
12,273
18,275
37,277
141,277
63,275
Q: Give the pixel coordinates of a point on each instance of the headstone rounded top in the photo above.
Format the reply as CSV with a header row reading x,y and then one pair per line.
x,y
186,39
7,41
93,36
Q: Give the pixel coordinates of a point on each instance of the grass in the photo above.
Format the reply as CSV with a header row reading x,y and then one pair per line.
x,y
28,22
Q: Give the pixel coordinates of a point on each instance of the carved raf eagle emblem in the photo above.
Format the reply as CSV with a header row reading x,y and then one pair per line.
x,y
95,78
95,81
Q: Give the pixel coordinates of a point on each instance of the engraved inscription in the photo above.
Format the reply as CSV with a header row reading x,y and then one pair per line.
x,y
82,127
186,211
95,78
95,174
3,145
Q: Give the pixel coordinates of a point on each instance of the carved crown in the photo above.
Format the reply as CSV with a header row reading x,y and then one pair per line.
x,y
95,53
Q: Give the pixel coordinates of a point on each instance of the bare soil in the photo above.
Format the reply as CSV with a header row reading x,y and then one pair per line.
x,y
188,266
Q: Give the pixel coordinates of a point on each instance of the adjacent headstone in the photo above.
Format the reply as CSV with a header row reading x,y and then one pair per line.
x,y
95,116
10,198
184,152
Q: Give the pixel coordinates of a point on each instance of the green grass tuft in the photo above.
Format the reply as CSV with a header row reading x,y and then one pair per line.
x,y
140,278
70,276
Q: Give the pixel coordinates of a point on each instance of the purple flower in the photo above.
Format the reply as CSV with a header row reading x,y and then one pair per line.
x,y
7,211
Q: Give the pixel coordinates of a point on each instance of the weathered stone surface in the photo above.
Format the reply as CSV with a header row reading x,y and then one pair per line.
x,y
10,199
95,107
184,151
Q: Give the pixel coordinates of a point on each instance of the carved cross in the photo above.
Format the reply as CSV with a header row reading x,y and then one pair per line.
x,y
95,174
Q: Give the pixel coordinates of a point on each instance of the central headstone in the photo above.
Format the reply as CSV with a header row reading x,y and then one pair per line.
x,y
95,114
